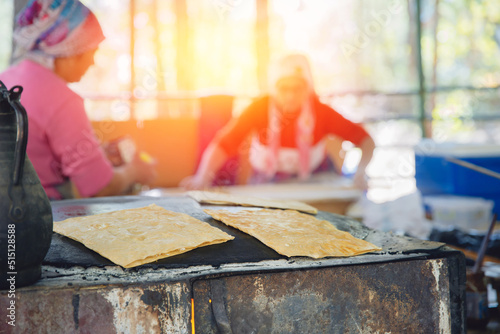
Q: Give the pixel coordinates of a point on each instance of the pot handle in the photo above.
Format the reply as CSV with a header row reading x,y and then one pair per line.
x,y
16,190
22,133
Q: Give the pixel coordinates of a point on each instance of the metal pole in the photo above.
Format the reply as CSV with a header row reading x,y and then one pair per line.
x,y
421,78
474,167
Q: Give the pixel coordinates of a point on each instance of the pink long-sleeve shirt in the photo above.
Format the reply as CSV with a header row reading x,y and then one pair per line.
x,y
61,143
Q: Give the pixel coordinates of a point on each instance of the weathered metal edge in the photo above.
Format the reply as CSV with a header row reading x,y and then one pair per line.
x,y
96,277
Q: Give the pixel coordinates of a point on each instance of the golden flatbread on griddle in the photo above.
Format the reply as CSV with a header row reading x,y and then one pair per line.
x,y
292,233
137,236
218,198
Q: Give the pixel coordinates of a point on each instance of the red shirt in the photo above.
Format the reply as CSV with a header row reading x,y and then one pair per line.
x,y
255,119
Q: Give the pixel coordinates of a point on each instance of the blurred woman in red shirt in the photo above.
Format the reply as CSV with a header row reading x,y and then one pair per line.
x,y
290,128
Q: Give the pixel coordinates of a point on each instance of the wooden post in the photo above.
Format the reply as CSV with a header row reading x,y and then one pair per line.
x,y
421,77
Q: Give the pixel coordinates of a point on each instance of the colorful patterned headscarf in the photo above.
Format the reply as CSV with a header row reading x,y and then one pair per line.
x,y
47,29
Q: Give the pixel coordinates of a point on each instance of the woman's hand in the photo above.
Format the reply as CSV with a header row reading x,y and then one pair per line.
x,y
367,147
139,170
113,154
213,158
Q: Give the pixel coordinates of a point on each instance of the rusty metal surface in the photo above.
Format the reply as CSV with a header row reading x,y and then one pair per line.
x,y
153,308
148,294
404,297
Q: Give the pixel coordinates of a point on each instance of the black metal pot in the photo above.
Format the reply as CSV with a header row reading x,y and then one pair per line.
x,y
25,211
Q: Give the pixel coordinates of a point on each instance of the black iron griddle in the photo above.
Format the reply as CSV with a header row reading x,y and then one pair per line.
x,y
65,252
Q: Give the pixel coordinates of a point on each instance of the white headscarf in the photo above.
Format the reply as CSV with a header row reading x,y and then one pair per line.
x,y
295,65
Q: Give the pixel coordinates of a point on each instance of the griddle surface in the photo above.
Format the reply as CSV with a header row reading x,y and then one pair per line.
x,y
65,252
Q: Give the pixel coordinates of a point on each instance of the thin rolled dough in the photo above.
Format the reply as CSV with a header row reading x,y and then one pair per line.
x,y
292,233
219,198
133,237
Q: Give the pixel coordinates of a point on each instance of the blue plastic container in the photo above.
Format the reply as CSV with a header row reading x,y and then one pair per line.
x,y
435,175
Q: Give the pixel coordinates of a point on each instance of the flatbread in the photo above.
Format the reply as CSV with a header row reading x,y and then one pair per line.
x,y
137,236
218,198
292,233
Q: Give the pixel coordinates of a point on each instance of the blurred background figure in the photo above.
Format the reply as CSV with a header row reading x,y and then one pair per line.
x,y
290,127
54,44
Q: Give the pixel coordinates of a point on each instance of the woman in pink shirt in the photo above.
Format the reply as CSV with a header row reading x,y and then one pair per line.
x,y
54,44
